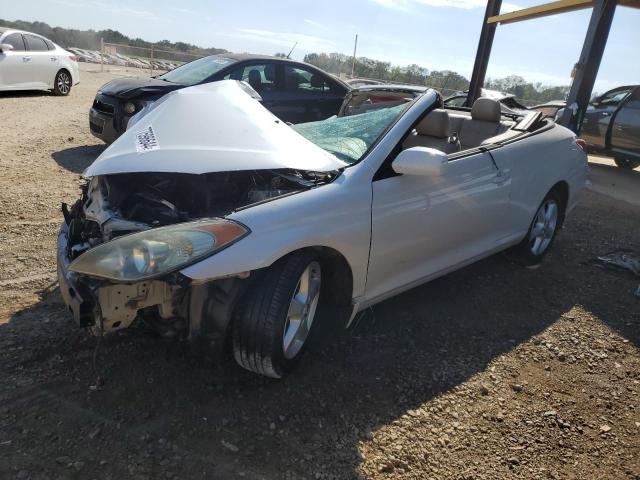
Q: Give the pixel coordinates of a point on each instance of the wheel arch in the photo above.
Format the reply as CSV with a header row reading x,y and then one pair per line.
x,y
63,69
339,271
562,188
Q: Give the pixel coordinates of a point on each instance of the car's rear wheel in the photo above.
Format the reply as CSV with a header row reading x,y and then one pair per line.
x,y
543,229
62,83
626,163
272,325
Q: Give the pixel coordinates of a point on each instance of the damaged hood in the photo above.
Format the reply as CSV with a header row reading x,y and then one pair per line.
x,y
130,87
209,128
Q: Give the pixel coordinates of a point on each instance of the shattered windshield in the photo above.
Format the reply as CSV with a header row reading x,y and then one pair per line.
x,y
197,71
349,138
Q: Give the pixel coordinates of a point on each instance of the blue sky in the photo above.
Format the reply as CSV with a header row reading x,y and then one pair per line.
x,y
437,34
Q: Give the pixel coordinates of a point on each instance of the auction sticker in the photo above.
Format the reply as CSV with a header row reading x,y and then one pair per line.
x,y
146,140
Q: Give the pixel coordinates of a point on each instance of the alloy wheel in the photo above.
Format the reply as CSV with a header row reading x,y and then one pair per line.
x,y
302,310
64,83
544,227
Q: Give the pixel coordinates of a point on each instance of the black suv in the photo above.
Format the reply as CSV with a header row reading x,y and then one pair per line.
x,y
294,91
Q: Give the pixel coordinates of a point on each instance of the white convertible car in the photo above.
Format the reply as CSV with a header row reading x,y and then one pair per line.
x,y
210,218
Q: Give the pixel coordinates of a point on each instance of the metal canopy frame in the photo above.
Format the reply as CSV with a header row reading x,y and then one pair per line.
x,y
588,64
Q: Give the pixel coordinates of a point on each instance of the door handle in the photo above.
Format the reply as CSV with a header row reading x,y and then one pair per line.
x,y
26,59
53,59
606,114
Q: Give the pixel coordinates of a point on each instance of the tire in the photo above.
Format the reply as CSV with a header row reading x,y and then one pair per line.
x,y
543,229
626,163
267,338
62,83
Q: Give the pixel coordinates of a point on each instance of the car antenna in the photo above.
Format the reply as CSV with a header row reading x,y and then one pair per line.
x,y
291,51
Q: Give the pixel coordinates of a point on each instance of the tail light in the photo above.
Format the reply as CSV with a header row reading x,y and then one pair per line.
x,y
73,58
582,144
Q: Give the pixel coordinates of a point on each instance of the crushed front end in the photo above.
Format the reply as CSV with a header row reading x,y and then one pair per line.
x,y
123,243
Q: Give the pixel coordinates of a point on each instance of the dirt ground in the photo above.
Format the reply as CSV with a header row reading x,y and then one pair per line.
x,y
493,372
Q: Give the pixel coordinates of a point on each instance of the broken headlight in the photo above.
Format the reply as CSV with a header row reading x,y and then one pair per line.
x,y
158,251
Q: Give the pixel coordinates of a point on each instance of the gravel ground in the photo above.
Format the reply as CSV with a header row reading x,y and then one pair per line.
x,y
493,372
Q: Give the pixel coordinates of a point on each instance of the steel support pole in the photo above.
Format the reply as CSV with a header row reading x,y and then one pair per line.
x,y
587,67
484,51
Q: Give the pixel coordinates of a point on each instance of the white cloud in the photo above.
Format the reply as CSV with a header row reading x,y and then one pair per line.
x,y
397,4
463,4
284,39
182,10
313,23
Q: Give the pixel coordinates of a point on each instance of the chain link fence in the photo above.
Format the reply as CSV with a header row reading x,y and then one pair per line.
x,y
152,59
133,59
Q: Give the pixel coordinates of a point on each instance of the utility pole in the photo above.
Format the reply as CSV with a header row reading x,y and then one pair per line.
x,y
101,54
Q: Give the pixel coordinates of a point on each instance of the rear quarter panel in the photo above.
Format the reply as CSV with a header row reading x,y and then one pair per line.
x,y
539,162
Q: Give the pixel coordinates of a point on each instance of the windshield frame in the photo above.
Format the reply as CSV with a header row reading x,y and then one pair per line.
x,y
231,61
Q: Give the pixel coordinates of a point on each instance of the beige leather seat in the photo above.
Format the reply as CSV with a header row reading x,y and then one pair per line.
x,y
433,131
485,122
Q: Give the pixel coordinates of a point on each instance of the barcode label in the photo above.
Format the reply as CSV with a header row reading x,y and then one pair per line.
x,y
146,140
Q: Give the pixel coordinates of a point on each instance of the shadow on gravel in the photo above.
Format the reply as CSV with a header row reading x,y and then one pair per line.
x,y
77,159
159,403
26,93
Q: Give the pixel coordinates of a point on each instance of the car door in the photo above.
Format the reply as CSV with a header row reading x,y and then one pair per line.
x,y
424,226
43,63
598,115
625,131
13,63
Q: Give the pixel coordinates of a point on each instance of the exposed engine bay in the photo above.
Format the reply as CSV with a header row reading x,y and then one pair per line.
x,y
115,205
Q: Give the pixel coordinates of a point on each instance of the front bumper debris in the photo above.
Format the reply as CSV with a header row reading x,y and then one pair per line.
x,y
77,294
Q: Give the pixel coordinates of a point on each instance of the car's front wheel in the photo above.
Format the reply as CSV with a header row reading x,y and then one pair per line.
x,y
272,324
62,83
626,163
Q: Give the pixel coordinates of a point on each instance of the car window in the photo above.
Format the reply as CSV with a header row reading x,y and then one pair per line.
x,y
15,40
304,81
197,71
261,77
455,101
349,138
50,44
634,101
614,98
36,44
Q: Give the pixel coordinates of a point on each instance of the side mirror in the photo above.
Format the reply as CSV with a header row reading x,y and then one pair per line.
x,y
5,47
420,161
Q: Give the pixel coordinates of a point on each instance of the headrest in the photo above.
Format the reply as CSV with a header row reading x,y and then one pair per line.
x,y
254,77
486,109
316,81
270,73
435,124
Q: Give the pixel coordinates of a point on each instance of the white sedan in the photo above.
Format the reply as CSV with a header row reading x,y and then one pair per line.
x,y
212,219
32,62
